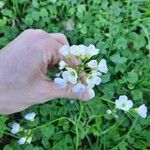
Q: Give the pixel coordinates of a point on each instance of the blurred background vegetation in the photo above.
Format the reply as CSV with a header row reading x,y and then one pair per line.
x,y
121,30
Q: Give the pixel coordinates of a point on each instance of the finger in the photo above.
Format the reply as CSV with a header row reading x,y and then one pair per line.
x,y
54,91
59,37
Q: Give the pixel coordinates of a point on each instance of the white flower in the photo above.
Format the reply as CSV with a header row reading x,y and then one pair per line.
x,y
70,75
123,103
22,140
91,93
79,88
92,64
78,50
102,66
142,111
15,128
29,140
61,82
65,50
93,80
91,50
108,111
62,65
30,116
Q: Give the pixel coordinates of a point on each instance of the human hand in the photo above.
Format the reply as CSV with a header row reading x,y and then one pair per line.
x,y
23,66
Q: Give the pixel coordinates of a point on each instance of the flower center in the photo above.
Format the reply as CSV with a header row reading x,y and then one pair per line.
x,y
90,77
73,73
123,105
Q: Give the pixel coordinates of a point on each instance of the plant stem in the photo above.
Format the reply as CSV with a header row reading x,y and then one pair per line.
x,y
77,124
55,120
12,135
107,100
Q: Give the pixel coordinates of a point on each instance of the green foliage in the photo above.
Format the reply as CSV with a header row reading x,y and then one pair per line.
x,y
121,30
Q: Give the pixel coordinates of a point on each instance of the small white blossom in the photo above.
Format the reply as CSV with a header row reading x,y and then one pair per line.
x,y
91,93
93,80
142,111
78,50
22,140
102,66
29,140
61,82
79,88
30,116
15,128
123,103
65,50
70,75
92,64
91,50
62,65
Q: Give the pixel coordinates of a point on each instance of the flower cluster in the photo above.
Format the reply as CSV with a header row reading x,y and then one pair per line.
x,y
126,105
17,128
80,70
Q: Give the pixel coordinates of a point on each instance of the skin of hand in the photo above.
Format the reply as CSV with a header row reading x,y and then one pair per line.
x,y
23,66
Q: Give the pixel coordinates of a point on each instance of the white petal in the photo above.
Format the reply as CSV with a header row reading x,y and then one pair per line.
x,y
61,82
79,88
123,97
62,65
72,80
15,128
74,50
102,66
92,64
65,75
82,49
91,93
92,50
97,80
65,50
142,111
118,103
96,73
22,141
30,116
90,81
129,104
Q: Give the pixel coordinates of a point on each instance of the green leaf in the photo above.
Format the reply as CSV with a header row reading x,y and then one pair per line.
x,y
47,131
117,59
137,94
132,77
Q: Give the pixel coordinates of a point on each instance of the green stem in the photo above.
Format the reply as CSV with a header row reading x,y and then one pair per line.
x,y
12,135
77,124
107,100
55,120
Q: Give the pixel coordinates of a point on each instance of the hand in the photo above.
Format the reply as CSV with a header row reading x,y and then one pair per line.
x,y
23,68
